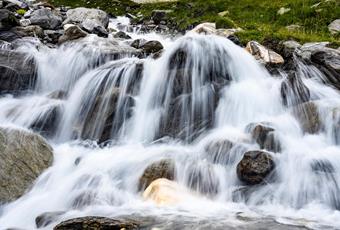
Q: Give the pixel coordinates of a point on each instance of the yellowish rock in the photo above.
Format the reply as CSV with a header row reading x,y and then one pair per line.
x,y
263,54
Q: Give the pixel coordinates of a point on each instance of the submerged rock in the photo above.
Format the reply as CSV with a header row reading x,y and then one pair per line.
x,y
308,116
254,167
47,218
161,169
264,135
17,72
23,157
294,91
95,223
218,151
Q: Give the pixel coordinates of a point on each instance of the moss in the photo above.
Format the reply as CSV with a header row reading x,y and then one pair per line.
x,y
223,22
21,11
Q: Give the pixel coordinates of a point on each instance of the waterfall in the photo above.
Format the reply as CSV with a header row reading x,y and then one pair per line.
x,y
110,116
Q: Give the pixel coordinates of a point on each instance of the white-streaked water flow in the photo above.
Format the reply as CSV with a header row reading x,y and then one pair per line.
x,y
202,90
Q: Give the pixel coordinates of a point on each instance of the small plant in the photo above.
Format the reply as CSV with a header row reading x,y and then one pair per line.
x,y
21,12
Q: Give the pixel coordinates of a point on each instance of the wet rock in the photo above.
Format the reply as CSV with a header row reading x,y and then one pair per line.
x,y
322,166
84,199
151,47
58,95
89,19
308,116
99,122
17,72
218,151
72,33
263,54
203,179
95,223
305,51
294,91
47,123
122,35
92,27
23,157
138,43
161,169
46,19
165,192
254,167
9,36
289,47
29,31
47,218
328,61
264,135
7,20
334,27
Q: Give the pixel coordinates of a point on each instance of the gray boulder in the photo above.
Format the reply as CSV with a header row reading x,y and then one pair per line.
x,y
334,27
7,20
23,157
89,19
46,18
72,33
29,31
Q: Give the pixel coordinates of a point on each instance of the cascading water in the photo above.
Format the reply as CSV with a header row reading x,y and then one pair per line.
x,y
195,105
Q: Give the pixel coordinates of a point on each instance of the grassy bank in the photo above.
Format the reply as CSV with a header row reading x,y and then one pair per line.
x,y
258,18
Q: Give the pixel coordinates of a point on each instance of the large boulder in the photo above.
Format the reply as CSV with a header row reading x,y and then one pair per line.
x,y
23,157
29,31
151,47
46,18
7,20
160,169
95,223
17,72
89,19
266,56
334,27
254,167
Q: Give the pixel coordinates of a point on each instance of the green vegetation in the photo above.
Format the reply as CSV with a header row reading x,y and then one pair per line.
x,y
21,11
259,19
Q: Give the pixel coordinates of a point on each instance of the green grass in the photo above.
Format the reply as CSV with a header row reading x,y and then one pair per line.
x,y
258,18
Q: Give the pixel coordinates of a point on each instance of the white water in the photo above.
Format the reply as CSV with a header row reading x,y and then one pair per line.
x,y
218,80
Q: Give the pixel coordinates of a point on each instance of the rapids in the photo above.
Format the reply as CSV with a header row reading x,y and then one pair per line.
x,y
219,89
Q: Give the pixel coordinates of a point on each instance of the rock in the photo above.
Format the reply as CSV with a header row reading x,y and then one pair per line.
x,y
218,151
334,27
72,33
283,10
7,20
138,43
5,45
23,157
19,4
151,47
254,167
58,95
305,51
98,123
47,123
46,19
328,62
25,22
293,27
17,72
289,47
29,31
9,36
121,35
93,27
89,19
322,166
47,218
263,54
308,116
95,223
160,15
294,91
264,135
165,192
202,178
160,169
205,28
52,36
